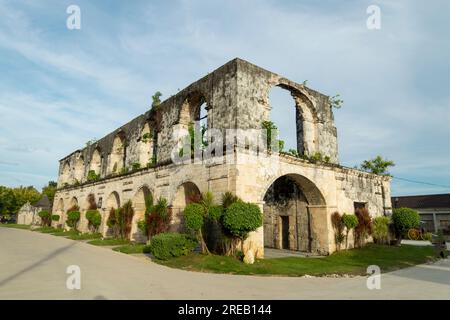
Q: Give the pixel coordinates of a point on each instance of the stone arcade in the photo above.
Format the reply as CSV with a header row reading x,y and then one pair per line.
x,y
296,196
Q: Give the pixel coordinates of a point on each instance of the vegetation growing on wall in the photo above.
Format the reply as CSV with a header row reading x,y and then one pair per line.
x,y
93,176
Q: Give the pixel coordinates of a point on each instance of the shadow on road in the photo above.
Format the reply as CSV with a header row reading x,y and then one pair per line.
x,y
438,272
36,264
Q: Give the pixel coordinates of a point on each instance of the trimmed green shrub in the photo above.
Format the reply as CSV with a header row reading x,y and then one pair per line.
x,y
350,222
169,245
381,230
428,236
55,217
194,220
194,216
404,219
147,249
215,213
46,218
240,218
95,219
72,219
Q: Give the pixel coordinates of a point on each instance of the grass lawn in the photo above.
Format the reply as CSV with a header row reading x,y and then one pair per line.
x,y
47,230
85,236
109,242
15,225
130,248
353,262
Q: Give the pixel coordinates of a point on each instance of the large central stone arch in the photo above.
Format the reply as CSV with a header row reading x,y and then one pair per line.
x,y
295,215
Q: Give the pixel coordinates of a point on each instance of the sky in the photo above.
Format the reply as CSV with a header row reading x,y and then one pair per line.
x,y
60,88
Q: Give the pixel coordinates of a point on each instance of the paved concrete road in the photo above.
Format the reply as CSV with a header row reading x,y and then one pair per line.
x,y
33,266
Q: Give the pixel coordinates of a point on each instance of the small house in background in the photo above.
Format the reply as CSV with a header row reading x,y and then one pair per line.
x,y
434,210
28,213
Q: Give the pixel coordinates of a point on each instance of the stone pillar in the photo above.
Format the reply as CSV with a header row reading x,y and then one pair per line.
x,y
435,223
320,229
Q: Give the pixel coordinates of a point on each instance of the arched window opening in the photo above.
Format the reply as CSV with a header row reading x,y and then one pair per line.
x,y
283,114
117,160
96,162
146,146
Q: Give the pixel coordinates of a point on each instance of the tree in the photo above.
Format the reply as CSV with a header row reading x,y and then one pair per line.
x,y
241,218
364,228
46,218
156,101
403,220
350,222
377,165
24,195
7,201
50,190
338,226
95,219
194,219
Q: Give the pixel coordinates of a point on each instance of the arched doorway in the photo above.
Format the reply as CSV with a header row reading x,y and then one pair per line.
x,y
60,211
139,212
187,192
112,203
288,217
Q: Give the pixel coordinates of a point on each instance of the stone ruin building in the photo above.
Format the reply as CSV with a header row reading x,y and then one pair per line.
x,y
297,196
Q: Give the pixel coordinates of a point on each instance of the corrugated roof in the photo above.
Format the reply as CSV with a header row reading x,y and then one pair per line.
x,y
422,201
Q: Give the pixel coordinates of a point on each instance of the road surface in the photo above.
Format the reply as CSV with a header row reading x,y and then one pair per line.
x,y
33,266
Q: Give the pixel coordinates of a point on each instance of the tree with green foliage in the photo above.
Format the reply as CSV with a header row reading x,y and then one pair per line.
x,y
241,218
377,165
228,198
403,220
7,201
24,195
94,218
156,100
194,220
46,218
272,132
50,190
350,222
73,217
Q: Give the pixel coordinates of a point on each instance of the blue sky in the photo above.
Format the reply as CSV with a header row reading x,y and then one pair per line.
x,y
60,88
